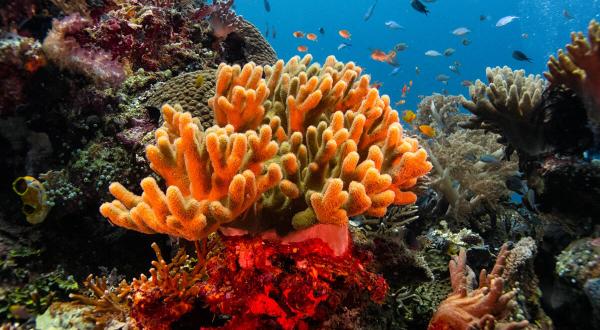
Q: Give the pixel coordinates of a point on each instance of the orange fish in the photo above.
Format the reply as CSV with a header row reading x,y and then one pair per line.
x,y
378,55
401,102
34,64
311,36
410,83
298,34
377,84
427,130
404,90
302,49
408,116
344,34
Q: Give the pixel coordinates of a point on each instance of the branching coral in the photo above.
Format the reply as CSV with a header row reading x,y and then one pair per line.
x,y
507,106
483,308
309,144
578,68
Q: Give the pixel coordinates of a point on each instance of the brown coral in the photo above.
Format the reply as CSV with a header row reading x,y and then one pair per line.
x,y
307,143
482,308
578,69
190,90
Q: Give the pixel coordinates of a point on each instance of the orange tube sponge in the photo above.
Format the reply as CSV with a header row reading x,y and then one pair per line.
x,y
295,145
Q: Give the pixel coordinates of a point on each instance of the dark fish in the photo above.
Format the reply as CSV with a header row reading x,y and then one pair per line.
x,y
369,12
267,31
471,157
520,56
321,30
516,184
419,6
483,17
466,42
274,32
267,5
568,15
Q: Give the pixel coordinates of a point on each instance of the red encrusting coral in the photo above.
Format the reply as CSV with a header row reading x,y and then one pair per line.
x,y
483,308
266,284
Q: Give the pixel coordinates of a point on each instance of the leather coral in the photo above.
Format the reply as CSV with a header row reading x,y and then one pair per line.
x,y
294,145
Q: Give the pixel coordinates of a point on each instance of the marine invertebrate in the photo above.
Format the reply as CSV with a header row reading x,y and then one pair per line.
x,y
64,49
309,144
507,106
247,44
34,198
483,308
577,68
191,90
265,284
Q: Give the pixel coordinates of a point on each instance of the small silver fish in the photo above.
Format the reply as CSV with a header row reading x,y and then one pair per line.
x,y
369,11
343,45
454,69
506,20
433,53
443,78
392,25
461,31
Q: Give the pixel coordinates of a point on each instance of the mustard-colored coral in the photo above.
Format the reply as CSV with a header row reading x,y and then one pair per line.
x,y
294,145
578,68
34,198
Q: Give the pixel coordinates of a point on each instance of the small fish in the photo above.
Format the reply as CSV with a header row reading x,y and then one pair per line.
x,y
302,49
400,47
427,130
408,116
433,53
461,31
380,56
520,56
419,6
567,15
442,78
457,63
344,34
321,30
490,159
466,83
274,32
311,36
267,31
395,71
483,18
449,51
466,42
343,45
417,70
199,81
377,84
401,102
525,36
267,5
393,25
454,69
405,89
505,20
515,183
369,11
298,34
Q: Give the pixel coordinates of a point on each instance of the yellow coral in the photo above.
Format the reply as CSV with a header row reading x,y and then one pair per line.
x,y
34,198
294,145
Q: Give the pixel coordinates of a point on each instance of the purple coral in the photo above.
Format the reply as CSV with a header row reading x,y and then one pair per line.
x,y
63,48
223,20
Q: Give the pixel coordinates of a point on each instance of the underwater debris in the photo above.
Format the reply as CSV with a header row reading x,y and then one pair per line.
x,y
482,308
194,205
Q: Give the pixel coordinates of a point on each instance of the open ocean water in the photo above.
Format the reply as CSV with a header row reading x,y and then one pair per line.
x,y
541,29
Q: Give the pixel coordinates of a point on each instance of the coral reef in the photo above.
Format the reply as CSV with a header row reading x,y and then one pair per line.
x,y
486,307
577,68
312,180
507,106
190,90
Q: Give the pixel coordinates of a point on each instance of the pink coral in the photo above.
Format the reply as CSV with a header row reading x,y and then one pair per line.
x,y
481,308
63,49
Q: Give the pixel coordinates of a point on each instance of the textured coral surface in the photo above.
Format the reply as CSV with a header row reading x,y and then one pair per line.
x,y
298,146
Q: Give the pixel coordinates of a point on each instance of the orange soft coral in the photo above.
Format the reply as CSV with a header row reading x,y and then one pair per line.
x,y
295,145
482,308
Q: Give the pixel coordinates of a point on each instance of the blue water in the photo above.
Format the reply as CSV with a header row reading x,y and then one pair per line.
x,y
542,20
